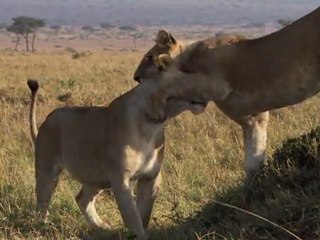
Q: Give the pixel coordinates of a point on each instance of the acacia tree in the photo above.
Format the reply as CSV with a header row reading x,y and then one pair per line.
x,y
18,31
25,26
135,37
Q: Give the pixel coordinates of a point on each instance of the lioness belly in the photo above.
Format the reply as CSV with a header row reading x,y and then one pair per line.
x,y
94,169
260,100
88,172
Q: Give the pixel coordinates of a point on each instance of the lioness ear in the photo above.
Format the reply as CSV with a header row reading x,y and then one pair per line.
x,y
173,40
165,38
163,61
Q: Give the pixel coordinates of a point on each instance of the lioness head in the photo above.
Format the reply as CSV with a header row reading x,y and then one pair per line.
x,y
164,106
157,58
166,48
174,95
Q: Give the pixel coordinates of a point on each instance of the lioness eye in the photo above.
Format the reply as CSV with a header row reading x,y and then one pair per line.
x,y
161,68
149,57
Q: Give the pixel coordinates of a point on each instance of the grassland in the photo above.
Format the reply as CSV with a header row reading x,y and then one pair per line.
x,y
203,161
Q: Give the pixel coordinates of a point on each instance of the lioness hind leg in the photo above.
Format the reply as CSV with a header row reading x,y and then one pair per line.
x,y
127,206
255,141
147,190
85,200
46,182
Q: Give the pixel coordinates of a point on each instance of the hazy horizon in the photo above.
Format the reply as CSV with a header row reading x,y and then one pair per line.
x,y
156,13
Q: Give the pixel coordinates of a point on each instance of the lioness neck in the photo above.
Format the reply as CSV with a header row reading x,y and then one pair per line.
x,y
135,104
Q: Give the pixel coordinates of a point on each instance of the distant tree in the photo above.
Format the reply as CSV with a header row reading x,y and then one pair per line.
x,y
284,22
18,30
106,25
88,28
220,34
55,27
25,26
258,24
3,25
128,28
135,36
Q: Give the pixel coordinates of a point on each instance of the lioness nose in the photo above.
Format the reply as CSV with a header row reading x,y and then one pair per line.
x,y
136,77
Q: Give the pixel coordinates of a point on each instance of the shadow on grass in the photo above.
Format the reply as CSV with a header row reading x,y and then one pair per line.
x,y
286,192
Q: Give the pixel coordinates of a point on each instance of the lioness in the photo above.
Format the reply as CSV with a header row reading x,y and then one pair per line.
x,y
107,147
248,78
160,57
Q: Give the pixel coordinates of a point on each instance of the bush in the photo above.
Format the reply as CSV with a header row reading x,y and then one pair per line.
x,y
88,28
70,49
81,54
128,28
55,27
106,25
300,153
64,97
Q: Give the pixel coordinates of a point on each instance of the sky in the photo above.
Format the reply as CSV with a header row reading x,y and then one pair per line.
x,y
157,12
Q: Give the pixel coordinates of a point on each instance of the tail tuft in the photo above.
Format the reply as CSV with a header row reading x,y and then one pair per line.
x,y
33,85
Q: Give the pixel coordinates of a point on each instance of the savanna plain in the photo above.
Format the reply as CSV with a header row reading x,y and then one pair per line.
x,y
203,160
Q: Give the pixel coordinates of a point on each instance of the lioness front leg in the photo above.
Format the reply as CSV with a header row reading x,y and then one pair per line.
x,y
255,141
147,190
85,200
127,206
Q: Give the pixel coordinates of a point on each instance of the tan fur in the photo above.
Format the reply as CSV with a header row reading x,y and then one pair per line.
x,y
251,77
105,147
162,55
167,48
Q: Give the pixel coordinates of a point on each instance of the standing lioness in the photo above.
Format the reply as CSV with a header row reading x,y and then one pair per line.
x,y
248,78
105,147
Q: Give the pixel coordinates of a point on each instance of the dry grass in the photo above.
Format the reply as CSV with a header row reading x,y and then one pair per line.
x,y
203,160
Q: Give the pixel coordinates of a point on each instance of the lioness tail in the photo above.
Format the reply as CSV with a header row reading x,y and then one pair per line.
x,y
34,87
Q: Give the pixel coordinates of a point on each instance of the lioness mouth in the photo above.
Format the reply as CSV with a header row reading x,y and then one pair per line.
x,y
196,106
182,99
